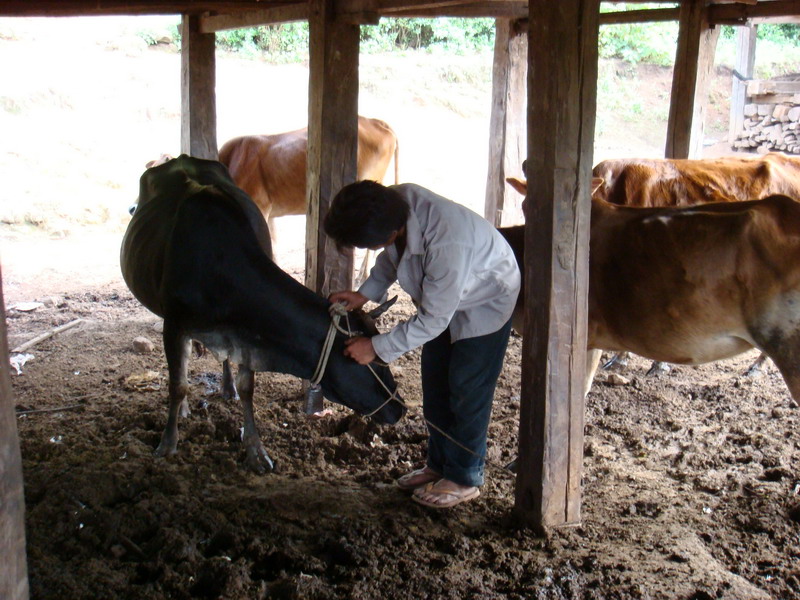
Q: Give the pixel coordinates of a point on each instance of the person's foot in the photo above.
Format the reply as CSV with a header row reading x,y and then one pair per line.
x,y
444,494
418,478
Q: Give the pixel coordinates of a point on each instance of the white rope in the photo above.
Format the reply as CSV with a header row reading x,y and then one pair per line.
x,y
337,311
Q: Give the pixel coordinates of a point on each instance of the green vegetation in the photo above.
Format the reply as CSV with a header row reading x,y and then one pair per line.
x,y
653,43
280,43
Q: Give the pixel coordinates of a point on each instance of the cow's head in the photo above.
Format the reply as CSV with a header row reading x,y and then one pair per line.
x,y
368,391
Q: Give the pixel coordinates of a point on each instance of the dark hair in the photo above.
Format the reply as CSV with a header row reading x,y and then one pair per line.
x,y
365,214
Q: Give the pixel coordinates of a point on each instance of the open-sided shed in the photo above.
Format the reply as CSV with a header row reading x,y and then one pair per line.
x,y
556,44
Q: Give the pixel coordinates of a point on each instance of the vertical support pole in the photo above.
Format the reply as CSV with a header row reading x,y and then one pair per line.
x,y
508,135
694,60
562,96
745,64
332,140
13,569
198,93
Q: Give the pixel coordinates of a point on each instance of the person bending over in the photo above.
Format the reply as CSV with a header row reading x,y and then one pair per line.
x,y
464,281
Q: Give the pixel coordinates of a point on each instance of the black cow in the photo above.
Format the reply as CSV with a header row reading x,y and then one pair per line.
x,y
197,253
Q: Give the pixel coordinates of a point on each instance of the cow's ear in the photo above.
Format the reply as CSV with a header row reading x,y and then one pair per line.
x,y
596,183
377,312
518,184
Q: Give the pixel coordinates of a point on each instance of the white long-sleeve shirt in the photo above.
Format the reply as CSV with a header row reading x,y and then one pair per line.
x,y
459,271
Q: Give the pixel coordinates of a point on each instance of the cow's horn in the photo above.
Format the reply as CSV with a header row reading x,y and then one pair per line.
x,y
377,312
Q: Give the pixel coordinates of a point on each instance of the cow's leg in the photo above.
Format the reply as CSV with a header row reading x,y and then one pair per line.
x,y
256,457
228,387
271,227
592,360
177,348
755,369
363,271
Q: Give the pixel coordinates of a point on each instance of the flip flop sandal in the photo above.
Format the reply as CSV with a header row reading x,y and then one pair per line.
x,y
417,479
443,499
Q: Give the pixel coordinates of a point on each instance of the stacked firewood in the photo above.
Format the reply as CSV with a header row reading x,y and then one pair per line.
x,y
770,127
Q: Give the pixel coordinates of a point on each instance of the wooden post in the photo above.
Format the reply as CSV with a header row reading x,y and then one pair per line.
x,y
332,139
508,135
694,60
562,84
13,570
745,63
198,99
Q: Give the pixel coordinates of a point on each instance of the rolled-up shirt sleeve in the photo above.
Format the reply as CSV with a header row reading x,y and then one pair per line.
x,y
446,270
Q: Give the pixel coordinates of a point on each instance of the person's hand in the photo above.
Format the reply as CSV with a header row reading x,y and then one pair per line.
x,y
351,300
360,350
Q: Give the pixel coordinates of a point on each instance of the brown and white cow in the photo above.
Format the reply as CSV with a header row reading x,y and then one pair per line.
x,y
271,169
693,285
686,182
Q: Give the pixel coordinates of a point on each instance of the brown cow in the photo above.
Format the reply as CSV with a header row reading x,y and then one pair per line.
x,y
271,169
686,182
693,285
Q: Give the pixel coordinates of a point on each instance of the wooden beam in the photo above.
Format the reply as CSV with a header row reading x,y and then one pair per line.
x,y
79,8
745,63
391,7
694,60
505,10
562,95
13,568
332,139
198,94
275,14
776,21
739,14
508,135
652,15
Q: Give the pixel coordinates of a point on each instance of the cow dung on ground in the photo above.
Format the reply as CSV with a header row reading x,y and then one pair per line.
x,y
690,485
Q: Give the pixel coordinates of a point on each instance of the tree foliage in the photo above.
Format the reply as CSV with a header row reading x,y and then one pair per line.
x,y
633,42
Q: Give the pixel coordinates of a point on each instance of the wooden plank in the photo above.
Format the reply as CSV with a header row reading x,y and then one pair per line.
x,y
13,568
390,7
740,14
506,10
763,87
274,14
776,20
652,15
745,63
694,60
332,139
562,93
74,8
198,94
507,132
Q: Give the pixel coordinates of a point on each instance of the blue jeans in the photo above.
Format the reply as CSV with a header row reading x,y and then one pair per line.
x,y
458,383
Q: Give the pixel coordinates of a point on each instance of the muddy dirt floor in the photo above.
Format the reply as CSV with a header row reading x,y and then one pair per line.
x,y
690,482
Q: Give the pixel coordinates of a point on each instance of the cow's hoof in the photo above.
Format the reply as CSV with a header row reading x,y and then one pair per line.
x,y
183,410
658,368
617,361
258,461
754,371
165,449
